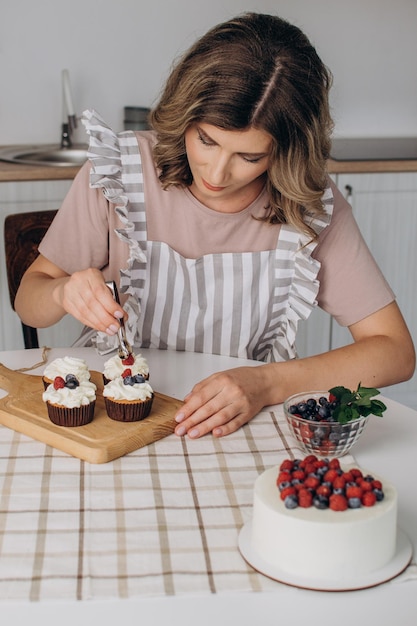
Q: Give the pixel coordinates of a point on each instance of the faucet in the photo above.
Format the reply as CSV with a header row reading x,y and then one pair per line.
x,y
69,117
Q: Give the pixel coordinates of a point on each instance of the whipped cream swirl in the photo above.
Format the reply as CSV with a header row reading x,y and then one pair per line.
x,y
117,390
85,393
67,365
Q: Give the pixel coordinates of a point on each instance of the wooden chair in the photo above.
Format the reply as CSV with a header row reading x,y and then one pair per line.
x,y
22,235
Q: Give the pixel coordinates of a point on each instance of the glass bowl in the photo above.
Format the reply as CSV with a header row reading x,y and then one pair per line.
x,y
322,438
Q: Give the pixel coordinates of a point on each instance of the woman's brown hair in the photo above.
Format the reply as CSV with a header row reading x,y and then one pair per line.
x,y
256,71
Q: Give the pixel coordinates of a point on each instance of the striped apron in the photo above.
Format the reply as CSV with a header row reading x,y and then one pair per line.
x,y
237,304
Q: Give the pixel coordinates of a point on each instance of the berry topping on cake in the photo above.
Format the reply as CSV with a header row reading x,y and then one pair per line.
x,y
126,372
129,360
59,382
132,380
323,484
71,382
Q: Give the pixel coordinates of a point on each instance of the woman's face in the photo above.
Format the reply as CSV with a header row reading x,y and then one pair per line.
x,y
228,166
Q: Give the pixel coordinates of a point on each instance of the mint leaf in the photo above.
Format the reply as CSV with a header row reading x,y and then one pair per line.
x,y
354,404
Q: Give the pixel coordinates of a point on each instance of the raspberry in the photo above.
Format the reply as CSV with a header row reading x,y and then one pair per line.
x,y
330,476
354,492
356,473
339,482
128,360
368,498
126,372
311,458
283,477
305,432
286,465
338,502
366,486
324,490
59,382
376,484
288,491
298,474
334,464
311,482
305,498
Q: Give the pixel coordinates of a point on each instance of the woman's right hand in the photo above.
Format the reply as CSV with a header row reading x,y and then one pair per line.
x,y
85,296
47,293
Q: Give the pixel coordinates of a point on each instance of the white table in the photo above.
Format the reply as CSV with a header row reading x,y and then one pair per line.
x,y
388,447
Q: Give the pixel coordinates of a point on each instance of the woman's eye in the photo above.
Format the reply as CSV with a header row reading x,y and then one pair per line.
x,y
204,139
254,160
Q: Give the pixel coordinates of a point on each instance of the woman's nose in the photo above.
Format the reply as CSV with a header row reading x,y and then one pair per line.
x,y
219,169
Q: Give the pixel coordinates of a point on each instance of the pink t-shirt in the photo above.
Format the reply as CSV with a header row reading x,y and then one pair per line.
x,y
82,236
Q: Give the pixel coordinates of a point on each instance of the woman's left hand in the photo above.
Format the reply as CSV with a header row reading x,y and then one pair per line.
x,y
222,403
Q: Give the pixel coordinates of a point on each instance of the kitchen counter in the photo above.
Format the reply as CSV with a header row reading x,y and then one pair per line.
x,y
373,154
18,172
353,156
371,166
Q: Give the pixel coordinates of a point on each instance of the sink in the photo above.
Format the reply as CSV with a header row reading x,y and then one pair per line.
x,y
45,154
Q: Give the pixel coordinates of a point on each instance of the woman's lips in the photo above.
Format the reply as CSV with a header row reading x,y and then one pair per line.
x,y
211,187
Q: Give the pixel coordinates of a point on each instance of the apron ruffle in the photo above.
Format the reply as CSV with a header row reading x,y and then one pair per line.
x,y
302,297
104,154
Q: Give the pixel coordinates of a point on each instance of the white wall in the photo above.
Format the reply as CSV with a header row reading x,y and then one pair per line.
x,y
119,52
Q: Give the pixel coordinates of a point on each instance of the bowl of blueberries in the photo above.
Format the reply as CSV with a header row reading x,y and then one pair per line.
x,y
328,423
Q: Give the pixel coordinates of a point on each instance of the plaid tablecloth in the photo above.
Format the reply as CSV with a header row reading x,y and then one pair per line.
x,y
163,520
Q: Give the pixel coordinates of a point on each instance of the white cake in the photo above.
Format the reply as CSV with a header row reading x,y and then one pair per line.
x,y
322,544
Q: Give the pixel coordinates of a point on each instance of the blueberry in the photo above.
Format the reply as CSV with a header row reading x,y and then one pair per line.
x,y
291,502
284,485
128,380
334,437
321,502
379,494
71,381
324,412
320,432
138,378
354,503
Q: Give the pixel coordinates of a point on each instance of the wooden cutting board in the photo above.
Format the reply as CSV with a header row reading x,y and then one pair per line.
x,y
100,441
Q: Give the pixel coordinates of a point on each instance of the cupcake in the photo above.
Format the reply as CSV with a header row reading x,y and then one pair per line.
x,y
62,367
128,398
115,366
70,402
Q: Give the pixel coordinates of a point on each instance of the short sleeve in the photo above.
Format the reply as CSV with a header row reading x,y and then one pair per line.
x,y
352,285
78,238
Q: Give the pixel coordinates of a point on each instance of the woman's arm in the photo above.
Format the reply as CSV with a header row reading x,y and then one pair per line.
x,y
46,293
382,354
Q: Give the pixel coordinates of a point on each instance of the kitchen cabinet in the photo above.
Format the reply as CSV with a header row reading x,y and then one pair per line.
x,y
385,207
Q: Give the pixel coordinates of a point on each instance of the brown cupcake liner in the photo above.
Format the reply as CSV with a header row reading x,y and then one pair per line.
x,y
128,411
46,382
78,416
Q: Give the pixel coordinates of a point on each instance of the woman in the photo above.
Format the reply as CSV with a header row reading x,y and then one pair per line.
x,y
223,230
